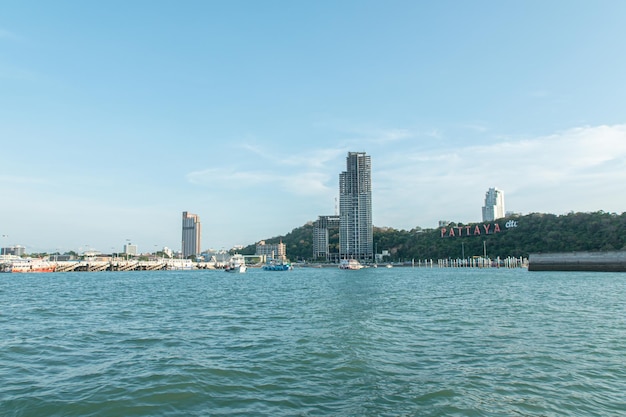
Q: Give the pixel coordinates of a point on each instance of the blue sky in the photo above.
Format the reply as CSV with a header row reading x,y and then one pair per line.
x,y
117,116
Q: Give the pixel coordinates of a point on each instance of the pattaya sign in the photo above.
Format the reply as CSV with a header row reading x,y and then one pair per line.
x,y
476,230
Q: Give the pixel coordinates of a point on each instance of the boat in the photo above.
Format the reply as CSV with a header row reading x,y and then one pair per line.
x,y
237,264
28,265
351,264
179,264
273,265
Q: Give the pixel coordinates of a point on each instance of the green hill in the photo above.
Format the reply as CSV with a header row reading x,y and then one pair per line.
x,y
532,233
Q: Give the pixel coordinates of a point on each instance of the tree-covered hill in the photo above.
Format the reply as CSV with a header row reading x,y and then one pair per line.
x,y
532,233
298,242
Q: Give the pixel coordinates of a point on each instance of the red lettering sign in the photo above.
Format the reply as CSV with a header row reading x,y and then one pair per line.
x,y
487,229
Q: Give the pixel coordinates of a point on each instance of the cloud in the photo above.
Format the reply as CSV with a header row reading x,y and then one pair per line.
x,y
313,159
560,157
301,183
383,137
578,169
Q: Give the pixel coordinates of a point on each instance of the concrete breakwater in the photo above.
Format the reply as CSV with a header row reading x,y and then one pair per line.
x,y
578,261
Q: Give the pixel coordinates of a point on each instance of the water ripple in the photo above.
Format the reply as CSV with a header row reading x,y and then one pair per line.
x,y
386,342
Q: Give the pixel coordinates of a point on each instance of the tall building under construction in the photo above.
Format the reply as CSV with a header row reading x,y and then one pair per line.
x,y
355,208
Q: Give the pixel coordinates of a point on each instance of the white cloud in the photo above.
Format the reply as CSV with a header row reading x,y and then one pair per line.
x,y
302,183
579,169
313,158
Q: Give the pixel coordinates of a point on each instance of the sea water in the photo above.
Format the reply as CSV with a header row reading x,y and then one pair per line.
x,y
313,342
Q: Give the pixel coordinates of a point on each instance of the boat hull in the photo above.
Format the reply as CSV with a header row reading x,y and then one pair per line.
x,y
236,269
350,264
28,266
277,267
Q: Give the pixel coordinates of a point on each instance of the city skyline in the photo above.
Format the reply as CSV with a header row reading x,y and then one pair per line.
x,y
244,114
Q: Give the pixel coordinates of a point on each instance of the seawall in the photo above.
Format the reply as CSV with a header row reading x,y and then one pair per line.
x,y
578,261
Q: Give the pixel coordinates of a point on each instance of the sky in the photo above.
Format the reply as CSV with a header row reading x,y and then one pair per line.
x,y
117,116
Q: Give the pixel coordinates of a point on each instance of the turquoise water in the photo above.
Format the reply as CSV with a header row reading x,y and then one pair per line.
x,y
313,342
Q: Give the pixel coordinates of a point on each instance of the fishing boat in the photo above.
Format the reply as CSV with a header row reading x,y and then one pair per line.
x,y
351,264
237,264
27,265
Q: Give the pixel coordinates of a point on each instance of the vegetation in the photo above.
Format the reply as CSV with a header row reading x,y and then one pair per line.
x,y
534,233
298,243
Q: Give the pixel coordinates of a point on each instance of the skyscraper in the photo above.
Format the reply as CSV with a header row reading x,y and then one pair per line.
x,y
494,205
355,208
191,234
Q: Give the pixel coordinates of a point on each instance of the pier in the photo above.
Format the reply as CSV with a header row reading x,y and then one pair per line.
x,y
126,265
579,261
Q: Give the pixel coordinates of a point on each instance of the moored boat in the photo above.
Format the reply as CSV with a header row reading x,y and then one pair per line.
x,y
179,264
351,264
237,264
27,265
277,266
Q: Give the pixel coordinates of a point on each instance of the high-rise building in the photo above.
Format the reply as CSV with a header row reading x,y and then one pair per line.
x,y
13,250
129,249
355,208
191,234
494,205
322,228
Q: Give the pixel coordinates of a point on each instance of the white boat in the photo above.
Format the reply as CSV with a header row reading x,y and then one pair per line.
x,y
237,264
179,264
350,264
28,265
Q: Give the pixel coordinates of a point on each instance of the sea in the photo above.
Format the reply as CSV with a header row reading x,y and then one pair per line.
x,y
313,342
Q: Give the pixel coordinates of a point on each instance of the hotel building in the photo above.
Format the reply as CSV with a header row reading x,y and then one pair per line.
x,y
272,250
191,235
494,205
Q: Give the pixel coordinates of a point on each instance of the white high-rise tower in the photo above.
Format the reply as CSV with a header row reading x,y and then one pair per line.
x,y
494,205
